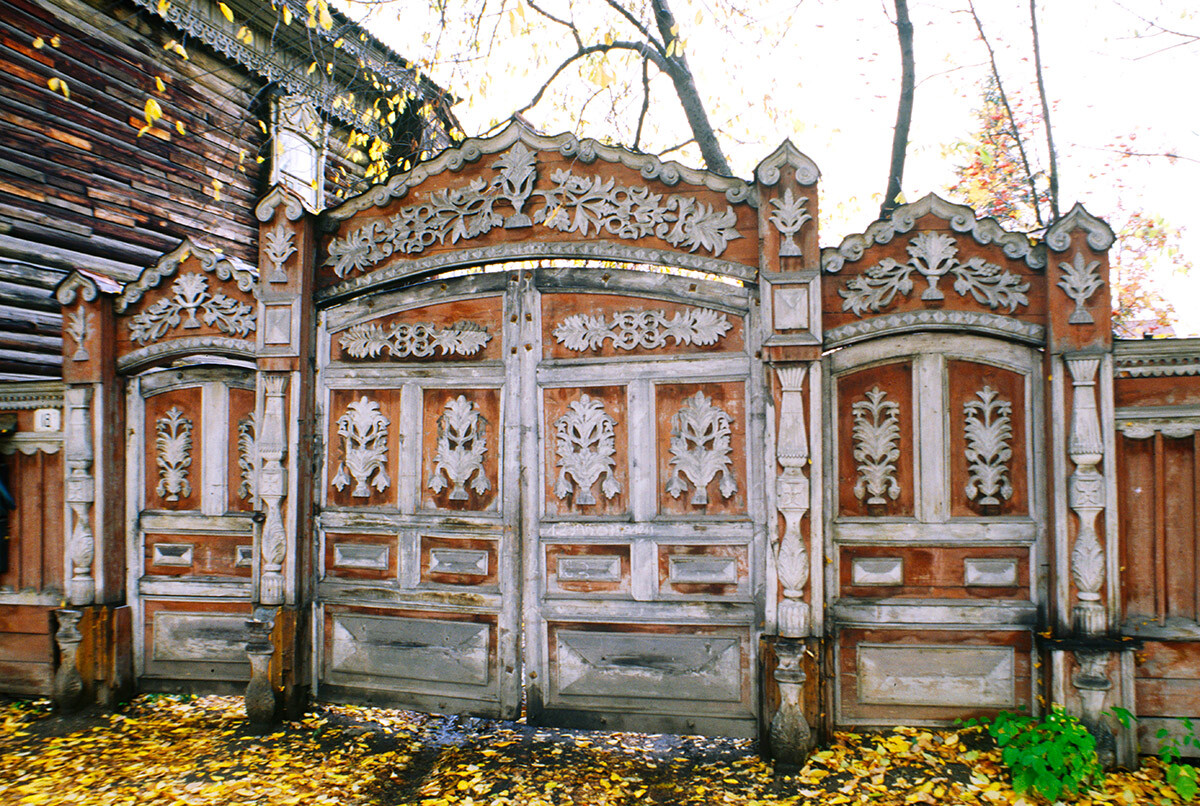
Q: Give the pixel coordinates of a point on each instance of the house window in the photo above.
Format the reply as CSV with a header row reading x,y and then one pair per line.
x,y
298,152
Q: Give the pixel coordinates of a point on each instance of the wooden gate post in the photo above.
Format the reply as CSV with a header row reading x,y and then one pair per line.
x,y
93,634
789,272
283,414
1090,670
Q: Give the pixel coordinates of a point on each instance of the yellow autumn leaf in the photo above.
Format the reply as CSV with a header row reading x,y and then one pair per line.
x,y
39,43
287,16
158,82
163,5
311,68
152,111
671,48
225,10
179,127
216,186
55,41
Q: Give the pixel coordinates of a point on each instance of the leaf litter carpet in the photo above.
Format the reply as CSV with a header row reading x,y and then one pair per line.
x,y
181,751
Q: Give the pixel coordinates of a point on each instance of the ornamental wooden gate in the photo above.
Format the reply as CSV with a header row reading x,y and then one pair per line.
x,y
543,473
545,420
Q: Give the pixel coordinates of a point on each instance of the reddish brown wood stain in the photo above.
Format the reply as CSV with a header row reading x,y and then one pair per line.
x,y
895,379
967,379
730,398
389,406
188,401
485,312
557,405
933,572
487,402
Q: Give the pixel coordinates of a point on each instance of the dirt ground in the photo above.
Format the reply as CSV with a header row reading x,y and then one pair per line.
x,y
164,749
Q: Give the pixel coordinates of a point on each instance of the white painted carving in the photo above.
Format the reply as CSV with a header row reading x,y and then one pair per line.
x,y
1173,428
416,340
933,255
1080,280
518,172
1085,496
173,448
246,457
700,448
792,498
583,205
461,446
876,436
788,217
988,431
280,246
647,329
586,444
363,430
191,296
271,487
78,324
80,494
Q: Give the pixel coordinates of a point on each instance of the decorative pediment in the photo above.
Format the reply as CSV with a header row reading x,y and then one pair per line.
x,y
787,156
1099,235
209,261
84,284
959,218
293,205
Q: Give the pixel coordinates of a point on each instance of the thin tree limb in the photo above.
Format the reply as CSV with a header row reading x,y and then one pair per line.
x,y
677,147
1012,120
904,32
637,47
636,23
637,137
1041,83
570,26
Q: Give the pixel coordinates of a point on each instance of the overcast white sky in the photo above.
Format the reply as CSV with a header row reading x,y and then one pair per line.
x,y
829,80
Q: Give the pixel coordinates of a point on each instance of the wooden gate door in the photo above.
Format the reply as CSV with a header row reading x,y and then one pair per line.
x,y
935,527
543,475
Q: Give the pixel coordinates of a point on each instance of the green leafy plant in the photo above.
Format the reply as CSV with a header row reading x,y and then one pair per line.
x,y
1051,756
1184,778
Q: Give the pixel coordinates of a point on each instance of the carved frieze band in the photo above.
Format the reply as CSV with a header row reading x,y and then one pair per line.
x,y
173,454
363,430
586,443
650,330
271,486
80,494
876,434
988,431
792,500
575,203
933,255
191,297
1173,428
1085,495
1080,280
420,340
701,447
905,321
461,447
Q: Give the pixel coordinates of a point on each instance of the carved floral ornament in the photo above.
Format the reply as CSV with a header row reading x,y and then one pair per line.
x,y
190,298
650,330
173,454
363,430
876,435
988,431
701,444
586,443
419,340
461,447
933,255
575,203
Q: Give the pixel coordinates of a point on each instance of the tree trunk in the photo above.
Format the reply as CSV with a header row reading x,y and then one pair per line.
x,y
1041,82
904,32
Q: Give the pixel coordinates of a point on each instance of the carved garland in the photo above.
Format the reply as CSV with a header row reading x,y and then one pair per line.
x,y
933,255
876,434
191,296
647,329
419,340
173,450
586,444
461,446
574,204
700,445
988,431
363,430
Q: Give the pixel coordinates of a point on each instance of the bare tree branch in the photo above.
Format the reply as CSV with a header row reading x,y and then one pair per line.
x,y
637,47
904,31
1012,120
677,147
1037,63
568,25
636,23
637,137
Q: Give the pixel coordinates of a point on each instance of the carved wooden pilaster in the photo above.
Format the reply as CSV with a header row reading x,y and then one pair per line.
x,y
1085,496
80,494
791,737
68,683
792,497
272,487
1092,683
262,706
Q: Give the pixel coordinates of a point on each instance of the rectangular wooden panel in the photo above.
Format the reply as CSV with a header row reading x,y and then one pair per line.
x,y
361,556
974,572
461,446
174,452
586,446
701,445
199,555
364,458
588,569
196,640
703,570
883,397
470,562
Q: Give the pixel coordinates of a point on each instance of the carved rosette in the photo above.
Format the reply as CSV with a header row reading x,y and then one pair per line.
x,y
272,486
792,497
80,495
68,683
1085,496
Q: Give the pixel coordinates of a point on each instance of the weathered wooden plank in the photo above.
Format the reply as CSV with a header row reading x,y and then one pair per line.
x,y
25,619
29,679
26,647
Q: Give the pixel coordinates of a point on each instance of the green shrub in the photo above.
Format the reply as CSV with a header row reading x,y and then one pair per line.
x,y
1051,756
1184,777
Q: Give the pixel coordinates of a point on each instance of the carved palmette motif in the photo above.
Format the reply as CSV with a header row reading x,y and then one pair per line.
x,y
789,215
933,255
363,429
77,326
646,329
246,454
876,438
988,431
279,242
461,446
173,452
574,204
586,444
190,296
419,340
1080,280
701,444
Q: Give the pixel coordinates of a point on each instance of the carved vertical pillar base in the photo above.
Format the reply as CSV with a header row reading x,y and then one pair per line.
x,y
262,706
791,737
81,591
68,683
1090,618
271,586
1092,683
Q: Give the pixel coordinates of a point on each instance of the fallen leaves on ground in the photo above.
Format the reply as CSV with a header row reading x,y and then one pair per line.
x,y
180,751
